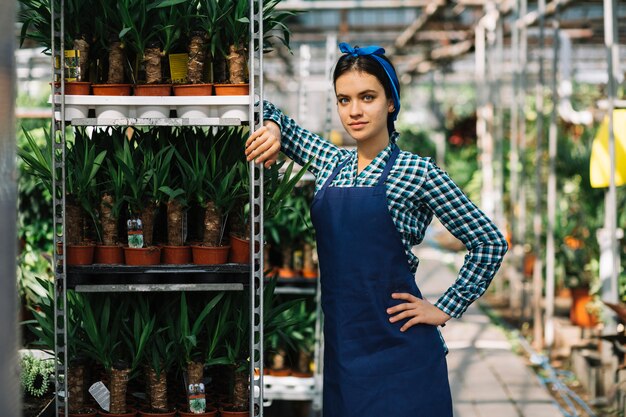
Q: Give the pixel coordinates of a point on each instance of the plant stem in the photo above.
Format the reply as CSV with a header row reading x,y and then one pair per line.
x,y
119,382
116,63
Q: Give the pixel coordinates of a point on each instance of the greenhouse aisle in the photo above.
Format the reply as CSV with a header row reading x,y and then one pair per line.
x,y
486,377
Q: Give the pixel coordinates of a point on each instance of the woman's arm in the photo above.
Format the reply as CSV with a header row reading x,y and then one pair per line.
x,y
297,143
470,225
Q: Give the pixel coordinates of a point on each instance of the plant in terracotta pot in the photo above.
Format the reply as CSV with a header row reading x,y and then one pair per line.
x,y
115,342
111,190
83,162
42,327
189,327
35,16
303,337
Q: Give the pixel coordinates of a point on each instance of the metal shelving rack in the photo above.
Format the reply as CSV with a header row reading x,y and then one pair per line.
x,y
131,279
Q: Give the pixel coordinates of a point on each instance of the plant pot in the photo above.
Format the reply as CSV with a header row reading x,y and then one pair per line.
x,y
110,255
193,89
79,254
76,88
232,89
240,250
206,255
280,372
157,414
302,374
142,256
152,90
309,273
111,89
176,255
210,412
131,413
226,413
286,273
578,314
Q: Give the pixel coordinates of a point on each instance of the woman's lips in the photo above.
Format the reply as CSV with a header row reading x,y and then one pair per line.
x,y
357,125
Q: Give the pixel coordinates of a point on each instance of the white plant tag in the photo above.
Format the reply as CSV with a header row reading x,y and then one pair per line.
x,y
101,394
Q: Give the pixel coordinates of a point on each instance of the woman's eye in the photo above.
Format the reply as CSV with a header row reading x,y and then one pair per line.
x,y
342,100
368,97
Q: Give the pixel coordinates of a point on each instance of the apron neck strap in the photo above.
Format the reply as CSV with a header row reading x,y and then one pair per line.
x,y
395,151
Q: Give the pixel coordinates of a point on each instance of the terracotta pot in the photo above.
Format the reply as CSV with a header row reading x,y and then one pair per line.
x,y
286,273
157,414
205,255
152,90
110,255
240,250
142,256
79,254
232,89
76,88
280,372
309,273
578,314
226,413
131,413
193,89
302,374
176,255
210,412
111,89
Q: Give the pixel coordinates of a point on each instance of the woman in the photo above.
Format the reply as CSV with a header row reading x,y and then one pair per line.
x,y
384,354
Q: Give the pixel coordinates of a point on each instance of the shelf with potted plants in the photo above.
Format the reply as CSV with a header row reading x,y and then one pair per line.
x,y
140,168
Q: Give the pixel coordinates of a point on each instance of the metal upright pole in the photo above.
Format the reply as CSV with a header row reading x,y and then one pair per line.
x,y
537,218
609,255
514,274
10,403
552,193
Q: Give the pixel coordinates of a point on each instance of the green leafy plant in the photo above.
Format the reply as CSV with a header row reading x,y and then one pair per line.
x,y
36,375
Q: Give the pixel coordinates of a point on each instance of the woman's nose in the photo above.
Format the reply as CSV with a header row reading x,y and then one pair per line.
x,y
355,108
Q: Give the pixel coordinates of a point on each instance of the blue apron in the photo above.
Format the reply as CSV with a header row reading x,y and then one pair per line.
x,y
371,369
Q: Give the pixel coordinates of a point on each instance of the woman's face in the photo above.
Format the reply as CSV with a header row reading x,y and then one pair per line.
x,y
362,105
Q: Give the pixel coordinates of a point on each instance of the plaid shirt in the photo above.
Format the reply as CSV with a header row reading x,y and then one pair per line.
x,y
417,189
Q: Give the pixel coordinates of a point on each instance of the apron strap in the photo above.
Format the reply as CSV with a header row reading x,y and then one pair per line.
x,y
392,159
334,174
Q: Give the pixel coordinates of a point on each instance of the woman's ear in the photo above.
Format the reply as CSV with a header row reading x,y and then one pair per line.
x,y
390,107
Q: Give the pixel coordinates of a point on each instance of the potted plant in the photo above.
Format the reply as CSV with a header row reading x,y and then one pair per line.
x,y
303,337
42,327
83,162
115,344
236,35
189,326
112,187
35,16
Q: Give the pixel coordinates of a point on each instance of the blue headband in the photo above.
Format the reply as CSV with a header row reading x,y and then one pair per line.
x,y
377,52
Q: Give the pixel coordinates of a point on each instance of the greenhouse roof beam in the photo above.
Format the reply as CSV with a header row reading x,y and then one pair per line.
x,y
533,17
419,23
302,5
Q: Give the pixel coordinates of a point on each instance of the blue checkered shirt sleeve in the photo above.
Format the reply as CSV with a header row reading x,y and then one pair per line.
x,y
470,225
300,144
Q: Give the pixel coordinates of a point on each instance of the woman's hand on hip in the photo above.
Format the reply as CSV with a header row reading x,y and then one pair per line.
x,y
417,310
264,144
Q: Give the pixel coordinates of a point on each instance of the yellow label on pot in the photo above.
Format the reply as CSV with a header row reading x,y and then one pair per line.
x,y
178,68
72,65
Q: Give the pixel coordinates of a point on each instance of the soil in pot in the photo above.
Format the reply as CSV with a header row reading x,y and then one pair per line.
x,y
80,254
210,412
153,89
110,255
232,89
240,250
111,89
142,256
176,255
193,89
207,255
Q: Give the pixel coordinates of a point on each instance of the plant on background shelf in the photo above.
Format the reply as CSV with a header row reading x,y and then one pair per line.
x,y
36,375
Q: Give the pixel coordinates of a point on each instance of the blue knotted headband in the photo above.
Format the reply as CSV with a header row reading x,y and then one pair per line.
x,y
377,52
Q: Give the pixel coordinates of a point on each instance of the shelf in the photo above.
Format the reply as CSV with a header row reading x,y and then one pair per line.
x,y
112,278
297,285
155,110
288,388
